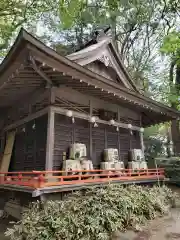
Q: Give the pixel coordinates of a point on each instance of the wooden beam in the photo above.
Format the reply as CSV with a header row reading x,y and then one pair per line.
x,y
52,95
61,64
70,68
94,79
40,72
119,71
86,117
90,129
119,140
80,98
105,138
142,141
50,140
26,119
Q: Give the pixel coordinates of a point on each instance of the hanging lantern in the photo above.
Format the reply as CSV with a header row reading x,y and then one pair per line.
x,y
129,126
112,122
69,113
93,119
95,124
117,129
34,126
141,130
24,130
73,120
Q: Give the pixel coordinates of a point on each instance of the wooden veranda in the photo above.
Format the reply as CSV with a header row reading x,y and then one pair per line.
x,y
38,181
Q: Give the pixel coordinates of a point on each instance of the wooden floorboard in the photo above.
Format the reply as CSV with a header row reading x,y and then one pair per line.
x,y
72,187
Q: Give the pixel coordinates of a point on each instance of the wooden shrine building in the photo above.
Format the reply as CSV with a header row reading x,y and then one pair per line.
x,y
48,101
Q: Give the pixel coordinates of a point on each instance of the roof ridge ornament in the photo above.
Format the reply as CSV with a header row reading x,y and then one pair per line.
x,y
105,59
103,34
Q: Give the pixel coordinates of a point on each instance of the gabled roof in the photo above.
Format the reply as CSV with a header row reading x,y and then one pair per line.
x,y
104,50
18,78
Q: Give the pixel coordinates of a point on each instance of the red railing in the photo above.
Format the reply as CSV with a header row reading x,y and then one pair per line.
x,y
40,179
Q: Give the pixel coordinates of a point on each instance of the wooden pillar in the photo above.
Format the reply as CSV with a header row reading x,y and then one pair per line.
x,y
105,137
119,142
52,95
141,134
142,141
130,139
50,140
90,129
6,158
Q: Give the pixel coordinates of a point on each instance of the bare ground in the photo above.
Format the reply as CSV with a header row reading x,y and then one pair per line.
x,y
166,228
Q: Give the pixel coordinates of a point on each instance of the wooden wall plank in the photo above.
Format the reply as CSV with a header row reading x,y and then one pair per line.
x,y
83,99
103,137
90,128
26,119
124,144
98,141
112,137
81,130
29,152
63,137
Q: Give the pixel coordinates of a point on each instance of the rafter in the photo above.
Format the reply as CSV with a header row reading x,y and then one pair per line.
x,y
40,72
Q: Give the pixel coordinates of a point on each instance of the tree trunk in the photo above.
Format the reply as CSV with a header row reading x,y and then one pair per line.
x,y
175,131
169,139
175,137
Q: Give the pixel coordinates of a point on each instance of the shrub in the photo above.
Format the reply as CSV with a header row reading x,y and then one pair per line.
x,y
93,214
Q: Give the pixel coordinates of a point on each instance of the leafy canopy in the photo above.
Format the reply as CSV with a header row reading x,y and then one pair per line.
x,y
17,13
171,44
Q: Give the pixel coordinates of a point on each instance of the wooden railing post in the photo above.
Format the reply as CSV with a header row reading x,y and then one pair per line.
x,y
129,172
80,174
20,178
108,175
41,181
2,176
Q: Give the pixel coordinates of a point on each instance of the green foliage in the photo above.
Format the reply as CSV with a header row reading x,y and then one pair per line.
x,y
155,138
154,148
92,215
69,11
172,168
138,26
171,44
17,13
171,48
